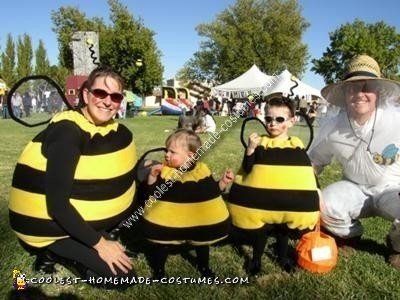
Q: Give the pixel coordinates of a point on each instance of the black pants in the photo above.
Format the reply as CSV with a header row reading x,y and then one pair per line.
x,y
257,238
86,256
159,254
89,261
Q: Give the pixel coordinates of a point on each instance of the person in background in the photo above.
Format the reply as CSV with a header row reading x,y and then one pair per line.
x,y
207,122
65,197
365,140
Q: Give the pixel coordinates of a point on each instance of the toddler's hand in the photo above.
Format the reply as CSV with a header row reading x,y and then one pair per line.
x,y
226,179
154,172
228,176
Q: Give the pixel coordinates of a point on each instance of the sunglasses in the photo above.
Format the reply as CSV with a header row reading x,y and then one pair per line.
x,y
101,94
269,119
363,86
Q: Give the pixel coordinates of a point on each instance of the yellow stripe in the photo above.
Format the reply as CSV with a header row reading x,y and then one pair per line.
x,y
293,142
31,156
279,177
84,123
250,218
199,172
111,164
107,165
38,241
34,205
181,215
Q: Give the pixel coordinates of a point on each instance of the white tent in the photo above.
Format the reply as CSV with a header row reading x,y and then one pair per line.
x,y
252,81
283,83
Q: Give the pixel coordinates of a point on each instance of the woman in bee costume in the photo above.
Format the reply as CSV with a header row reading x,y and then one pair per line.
x,y
74,181
277,186
185,206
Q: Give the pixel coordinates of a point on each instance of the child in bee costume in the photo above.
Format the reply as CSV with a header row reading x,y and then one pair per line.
x,y
185,206
277,187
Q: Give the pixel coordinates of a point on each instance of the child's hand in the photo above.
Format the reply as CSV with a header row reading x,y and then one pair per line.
x,y
154,172
226,179
254,141
228,176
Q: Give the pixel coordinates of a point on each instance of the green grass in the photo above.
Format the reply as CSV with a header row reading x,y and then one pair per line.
x,y
362,276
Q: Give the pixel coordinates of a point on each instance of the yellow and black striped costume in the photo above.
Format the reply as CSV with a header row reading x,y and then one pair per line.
x,y
101,189
191,210
281,188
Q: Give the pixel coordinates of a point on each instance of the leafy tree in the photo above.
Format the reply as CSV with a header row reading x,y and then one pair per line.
x,y
121,44
378,40
42,64
59,74
68,20
267,33
8,62
126,42
24,56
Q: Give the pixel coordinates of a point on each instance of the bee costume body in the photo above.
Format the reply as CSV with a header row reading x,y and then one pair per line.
x,y
278,186
95,167
190,209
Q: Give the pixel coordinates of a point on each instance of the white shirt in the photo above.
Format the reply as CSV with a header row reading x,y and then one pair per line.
x,y
209,124
337,140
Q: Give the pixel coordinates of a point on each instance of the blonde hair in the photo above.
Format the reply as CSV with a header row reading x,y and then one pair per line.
x,y
188,137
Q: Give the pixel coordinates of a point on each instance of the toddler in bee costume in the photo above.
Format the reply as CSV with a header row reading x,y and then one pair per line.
x,y
185,206
277,187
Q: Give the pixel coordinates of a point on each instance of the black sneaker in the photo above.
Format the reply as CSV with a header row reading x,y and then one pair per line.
x,y
287,264
45,262
207,272
254,267
158,274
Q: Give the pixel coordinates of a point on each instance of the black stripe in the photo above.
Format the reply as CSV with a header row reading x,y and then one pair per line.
x,y
32,180
275,200
98,144
49,228
282,156
189,191
196,233
113,141
360,73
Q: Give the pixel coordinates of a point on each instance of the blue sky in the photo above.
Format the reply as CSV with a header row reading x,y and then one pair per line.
x,y
174,22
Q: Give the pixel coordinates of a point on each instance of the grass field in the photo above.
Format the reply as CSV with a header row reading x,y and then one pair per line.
x,y
364,275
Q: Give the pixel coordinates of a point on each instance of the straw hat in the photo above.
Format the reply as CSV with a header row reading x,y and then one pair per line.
x,y
362,67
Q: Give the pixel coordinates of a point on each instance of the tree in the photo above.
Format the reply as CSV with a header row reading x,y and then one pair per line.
x,y
263,32
8,62
24,56
128,41
378,40
121,44
68,20
42,64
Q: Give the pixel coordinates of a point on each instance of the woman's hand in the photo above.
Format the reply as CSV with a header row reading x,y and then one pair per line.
x,y
154,172
113,253
254,141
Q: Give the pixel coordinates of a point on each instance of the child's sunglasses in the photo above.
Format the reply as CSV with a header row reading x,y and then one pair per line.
x,y
269,119
101,94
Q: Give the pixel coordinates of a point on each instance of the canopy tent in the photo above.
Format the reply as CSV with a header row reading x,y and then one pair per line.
x,y
252,81
283,83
